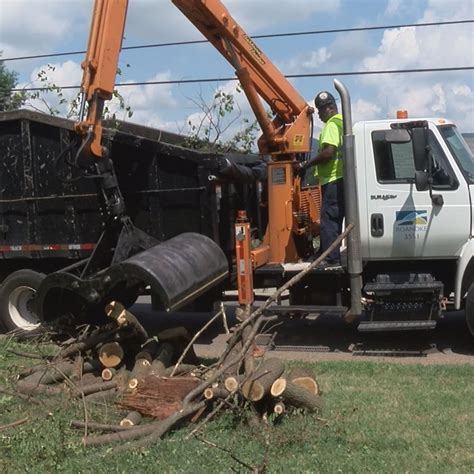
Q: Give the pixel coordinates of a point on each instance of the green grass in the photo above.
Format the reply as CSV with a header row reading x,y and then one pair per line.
x,y
378,418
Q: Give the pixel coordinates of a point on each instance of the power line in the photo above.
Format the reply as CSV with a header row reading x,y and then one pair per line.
x,y
288,76
272,35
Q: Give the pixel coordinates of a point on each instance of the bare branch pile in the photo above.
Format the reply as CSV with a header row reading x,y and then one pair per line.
x,y
160,378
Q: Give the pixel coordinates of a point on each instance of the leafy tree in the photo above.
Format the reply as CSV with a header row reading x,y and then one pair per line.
x,y
9,100
216,120
53,99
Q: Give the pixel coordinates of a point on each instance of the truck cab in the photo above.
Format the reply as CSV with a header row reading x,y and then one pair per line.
x,y
412,229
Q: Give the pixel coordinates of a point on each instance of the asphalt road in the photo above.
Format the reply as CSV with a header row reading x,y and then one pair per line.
x,y
328,337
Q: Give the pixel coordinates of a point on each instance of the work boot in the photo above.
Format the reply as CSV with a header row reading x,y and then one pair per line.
x,y
329,265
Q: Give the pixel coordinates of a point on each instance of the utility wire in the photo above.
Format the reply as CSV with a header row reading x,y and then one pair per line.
x,y
288,76
272,35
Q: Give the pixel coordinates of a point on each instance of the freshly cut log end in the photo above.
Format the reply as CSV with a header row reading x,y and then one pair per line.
x,y
304,377
253,390
108,374
116,311
261,381
278,387
279,408
296,396
111,354
211,393
140,369
132,419
232,384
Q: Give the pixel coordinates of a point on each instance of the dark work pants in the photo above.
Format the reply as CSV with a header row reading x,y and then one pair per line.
x,y
332,215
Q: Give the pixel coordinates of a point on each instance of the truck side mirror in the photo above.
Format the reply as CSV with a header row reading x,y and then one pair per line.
x,y
420,151
421,181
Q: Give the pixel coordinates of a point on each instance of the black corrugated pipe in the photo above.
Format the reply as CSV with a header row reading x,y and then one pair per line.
x,y
354,259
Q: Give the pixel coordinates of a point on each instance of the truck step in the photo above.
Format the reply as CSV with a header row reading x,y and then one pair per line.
x,y
305,309
373,326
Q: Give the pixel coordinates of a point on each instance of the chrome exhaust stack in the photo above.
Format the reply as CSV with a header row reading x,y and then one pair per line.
x,y
354,259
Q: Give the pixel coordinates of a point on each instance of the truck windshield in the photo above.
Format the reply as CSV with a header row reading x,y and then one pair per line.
x,y
459,149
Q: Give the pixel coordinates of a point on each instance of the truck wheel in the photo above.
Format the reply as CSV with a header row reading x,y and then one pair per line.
x,y
470,309
17,296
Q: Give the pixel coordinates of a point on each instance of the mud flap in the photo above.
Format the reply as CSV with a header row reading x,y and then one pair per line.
x,y
470,309
177,271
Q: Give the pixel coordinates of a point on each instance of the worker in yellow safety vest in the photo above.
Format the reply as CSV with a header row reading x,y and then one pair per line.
x,y
329,170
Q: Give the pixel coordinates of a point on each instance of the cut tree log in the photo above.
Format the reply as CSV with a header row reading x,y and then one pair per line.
x,y
108,374
261,381
180,338
132,419
279,408
232,384
183,369
295,395
117,312
149,351
34,388
211,393
57,372
86,344
79,390
232,355
111,354
91,426
103,396
304,377
163,359
140,369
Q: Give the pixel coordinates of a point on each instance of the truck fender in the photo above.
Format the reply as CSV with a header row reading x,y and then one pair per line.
x,y
464,272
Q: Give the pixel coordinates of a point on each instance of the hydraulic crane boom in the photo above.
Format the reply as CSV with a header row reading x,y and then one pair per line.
x,y
286,137
289,132
100,69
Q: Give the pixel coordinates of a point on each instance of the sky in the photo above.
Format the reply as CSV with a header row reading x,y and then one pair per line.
x,y
29,27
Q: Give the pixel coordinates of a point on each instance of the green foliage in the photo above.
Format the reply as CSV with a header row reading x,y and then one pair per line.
x,y
9,100
53,99
216,120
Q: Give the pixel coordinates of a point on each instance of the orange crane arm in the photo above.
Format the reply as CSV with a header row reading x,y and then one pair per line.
x,y
289,132
100,69
284,136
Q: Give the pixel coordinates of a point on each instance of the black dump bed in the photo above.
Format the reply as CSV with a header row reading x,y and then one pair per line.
x,y
165,187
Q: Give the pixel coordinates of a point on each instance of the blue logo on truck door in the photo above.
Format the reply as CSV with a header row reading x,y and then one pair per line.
x,y
411,225
412,218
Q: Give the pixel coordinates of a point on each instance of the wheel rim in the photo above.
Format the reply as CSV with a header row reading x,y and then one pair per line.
x,y
20,308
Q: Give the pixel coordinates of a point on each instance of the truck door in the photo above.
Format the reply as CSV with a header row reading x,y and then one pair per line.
x,y
403,222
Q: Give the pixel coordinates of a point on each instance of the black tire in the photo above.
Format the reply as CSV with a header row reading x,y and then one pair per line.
x,y
470,309
17,295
